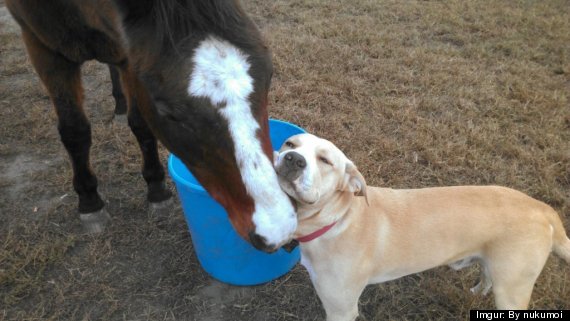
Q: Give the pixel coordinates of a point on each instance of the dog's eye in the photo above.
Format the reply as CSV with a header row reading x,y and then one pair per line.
x,y
324,160
289,144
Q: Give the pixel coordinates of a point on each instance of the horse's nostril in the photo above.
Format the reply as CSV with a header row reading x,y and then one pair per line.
x,y
259,242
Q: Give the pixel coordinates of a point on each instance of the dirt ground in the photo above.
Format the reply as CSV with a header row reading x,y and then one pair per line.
x,y
417,93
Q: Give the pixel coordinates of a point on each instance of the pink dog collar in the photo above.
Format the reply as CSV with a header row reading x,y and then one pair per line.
x,y
315,234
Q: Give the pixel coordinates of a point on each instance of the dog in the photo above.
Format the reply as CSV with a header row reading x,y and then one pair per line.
x,y
352,235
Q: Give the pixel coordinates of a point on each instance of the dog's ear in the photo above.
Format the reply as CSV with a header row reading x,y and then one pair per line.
x,y
275,157
354,181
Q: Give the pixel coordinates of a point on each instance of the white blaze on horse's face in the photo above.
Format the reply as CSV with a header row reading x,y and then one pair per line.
x,y
221,73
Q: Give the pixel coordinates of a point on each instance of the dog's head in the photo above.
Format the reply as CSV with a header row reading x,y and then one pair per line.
x,y
311,169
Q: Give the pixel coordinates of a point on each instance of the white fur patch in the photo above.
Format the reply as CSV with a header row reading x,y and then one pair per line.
x,y
307,264
221,73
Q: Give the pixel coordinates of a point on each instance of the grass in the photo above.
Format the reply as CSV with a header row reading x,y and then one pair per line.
x,y
417,93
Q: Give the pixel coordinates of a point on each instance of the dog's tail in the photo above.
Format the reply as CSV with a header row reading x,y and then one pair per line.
x,y
561,242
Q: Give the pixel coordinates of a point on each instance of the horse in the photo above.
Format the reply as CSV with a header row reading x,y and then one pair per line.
x,y
193,74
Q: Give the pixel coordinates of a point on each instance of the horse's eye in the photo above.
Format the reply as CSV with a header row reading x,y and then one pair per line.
x,y
289,144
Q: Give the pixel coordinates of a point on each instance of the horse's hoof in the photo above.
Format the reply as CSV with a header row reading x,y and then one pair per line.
x,y
120,119
158,193
160,208
95,223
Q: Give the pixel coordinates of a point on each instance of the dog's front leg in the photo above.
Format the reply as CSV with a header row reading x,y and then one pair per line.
x,y
339,297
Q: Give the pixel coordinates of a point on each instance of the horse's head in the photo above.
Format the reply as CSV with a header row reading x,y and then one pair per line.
x,y
206,88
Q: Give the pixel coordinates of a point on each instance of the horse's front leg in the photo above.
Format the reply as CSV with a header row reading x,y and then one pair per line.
x,y
153,172
62,79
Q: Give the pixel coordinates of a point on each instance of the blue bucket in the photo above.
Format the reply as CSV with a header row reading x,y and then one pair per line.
x,y
220,250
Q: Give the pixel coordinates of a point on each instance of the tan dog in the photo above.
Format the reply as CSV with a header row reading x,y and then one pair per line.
x,y
348,241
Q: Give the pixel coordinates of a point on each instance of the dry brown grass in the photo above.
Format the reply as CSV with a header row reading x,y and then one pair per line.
x,y
417,93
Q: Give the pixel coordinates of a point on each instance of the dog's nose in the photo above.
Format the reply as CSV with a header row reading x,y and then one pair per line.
x,y
295,160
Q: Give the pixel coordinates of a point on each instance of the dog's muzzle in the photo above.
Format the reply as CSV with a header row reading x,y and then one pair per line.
x,y
292,166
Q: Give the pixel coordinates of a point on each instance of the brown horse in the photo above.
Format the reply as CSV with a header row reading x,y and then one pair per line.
x,y
195,74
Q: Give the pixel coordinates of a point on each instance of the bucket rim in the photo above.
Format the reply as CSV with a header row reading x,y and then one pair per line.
x,y
283,122
178,179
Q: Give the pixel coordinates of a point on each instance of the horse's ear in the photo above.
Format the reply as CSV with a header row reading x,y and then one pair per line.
x,y
354,181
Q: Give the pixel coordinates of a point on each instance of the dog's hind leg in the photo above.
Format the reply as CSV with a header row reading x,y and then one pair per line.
x,y
513,294
514,268
463,263
485,282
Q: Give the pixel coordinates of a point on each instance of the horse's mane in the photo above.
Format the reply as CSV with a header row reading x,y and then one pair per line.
x,y
175,20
